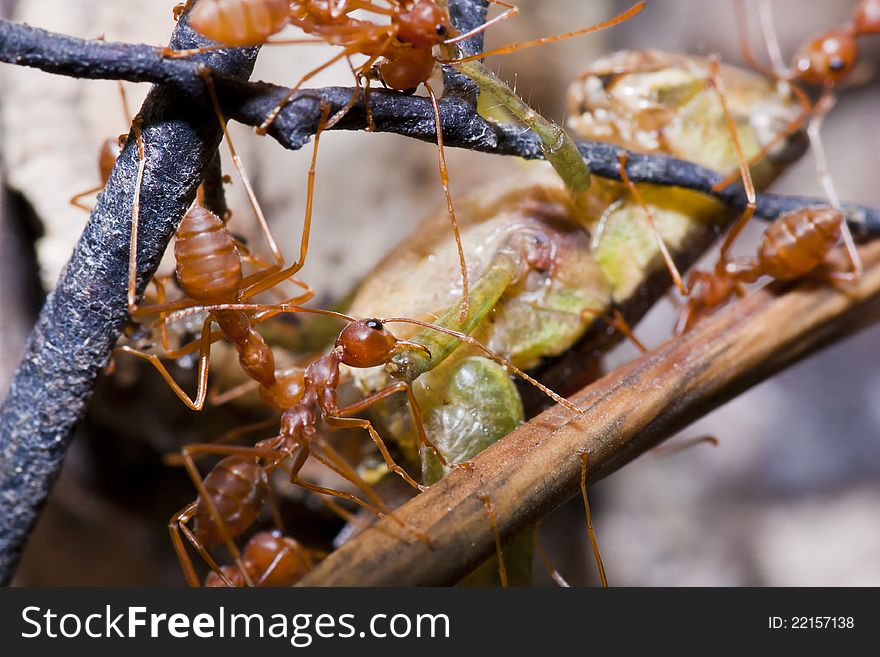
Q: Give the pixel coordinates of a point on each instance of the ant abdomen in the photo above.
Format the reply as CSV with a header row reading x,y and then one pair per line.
x,y
240,22
238,487
208,262
798,242
275,559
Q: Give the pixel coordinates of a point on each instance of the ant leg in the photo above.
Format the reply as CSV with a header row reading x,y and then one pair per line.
x,y
400,386
160,285
176,525
514,47
188,452
717,84
675,448
622,159
170,53
617,321
590,532
205,72
176,459
502,570
444,180
135,216
270,119
509,12
824,105
75,200
334,462
220,398
275,512
536,544
698,305
371,122
123,97
338,422
745,48
771,38
198,402
777,73
320,490
273,278
343,469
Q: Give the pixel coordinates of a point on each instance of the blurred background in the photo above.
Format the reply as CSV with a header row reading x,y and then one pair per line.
x,y
788,497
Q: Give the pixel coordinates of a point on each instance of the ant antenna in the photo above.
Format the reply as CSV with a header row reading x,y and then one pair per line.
x,y
559,399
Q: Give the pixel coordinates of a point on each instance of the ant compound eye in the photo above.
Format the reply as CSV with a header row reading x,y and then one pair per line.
x,y
837,64
441,29
374,324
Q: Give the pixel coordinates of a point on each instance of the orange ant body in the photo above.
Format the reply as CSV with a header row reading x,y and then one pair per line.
x,y
107,156
271,559
824,62
304,397
399,54
210,271
794,245
232,494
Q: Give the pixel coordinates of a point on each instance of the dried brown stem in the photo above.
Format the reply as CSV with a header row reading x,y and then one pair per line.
x,y
537,467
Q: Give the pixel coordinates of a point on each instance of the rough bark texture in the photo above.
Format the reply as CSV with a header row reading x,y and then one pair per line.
x,y
410,116
84,316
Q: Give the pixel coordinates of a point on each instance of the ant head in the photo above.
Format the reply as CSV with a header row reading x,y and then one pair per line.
x,y
866,19
366,343
828,59
423,26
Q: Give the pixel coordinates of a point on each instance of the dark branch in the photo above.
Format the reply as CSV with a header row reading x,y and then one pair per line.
x,y
466,15
84,316
409,116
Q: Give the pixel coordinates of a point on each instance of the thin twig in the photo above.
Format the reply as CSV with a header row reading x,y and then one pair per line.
x,y
410,116
84,316
537,467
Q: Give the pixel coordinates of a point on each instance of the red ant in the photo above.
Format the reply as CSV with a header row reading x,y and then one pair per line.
x,y
399,54
107,156
210,271
271,559
823,62
233,492
794,245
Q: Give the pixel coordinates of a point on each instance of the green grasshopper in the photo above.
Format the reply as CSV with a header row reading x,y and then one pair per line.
x,y
547,265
